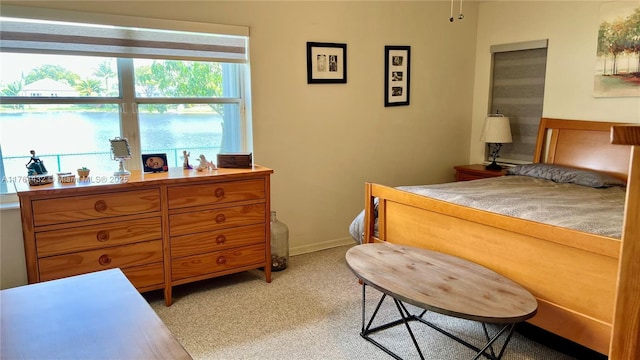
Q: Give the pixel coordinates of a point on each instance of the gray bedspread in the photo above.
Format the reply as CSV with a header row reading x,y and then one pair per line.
x,y
592,210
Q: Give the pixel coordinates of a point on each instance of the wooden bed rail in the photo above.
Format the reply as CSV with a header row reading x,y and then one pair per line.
x,y
625,335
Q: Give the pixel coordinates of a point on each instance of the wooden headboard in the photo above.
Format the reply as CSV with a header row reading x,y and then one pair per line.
x,y
583,145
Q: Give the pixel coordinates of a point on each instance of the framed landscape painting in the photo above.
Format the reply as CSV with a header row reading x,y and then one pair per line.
x,y
617,70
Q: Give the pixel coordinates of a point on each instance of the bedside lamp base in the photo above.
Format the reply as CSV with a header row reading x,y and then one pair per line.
x,y
493,167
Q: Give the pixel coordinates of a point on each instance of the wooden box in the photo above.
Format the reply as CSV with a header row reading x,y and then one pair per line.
x,y
235,160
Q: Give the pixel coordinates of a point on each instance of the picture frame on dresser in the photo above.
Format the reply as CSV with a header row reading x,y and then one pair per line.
x,y
155,162
397,75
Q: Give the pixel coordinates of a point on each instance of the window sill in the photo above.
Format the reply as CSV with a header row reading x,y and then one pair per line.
x,y
9,205
9,202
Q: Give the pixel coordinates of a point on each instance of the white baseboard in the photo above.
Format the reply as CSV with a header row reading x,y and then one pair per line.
x,y
298,250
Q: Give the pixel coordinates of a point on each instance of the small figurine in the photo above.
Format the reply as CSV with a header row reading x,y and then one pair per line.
x,y
205,164
35,165
185,156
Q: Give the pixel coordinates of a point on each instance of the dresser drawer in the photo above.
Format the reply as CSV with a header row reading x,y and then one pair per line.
x,y
199,243
218,261
145,275
99,206
55,267
98,236
215,193
216,219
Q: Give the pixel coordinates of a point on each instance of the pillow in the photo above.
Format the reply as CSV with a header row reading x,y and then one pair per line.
x,y
562,174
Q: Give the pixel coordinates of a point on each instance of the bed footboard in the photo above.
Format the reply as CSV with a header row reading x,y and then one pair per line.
x,y
572,274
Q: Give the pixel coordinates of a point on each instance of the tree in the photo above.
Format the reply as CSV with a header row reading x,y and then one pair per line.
x,y
171,78
105,72
634,34
53,72
146,85
199,79
603,44
89,87
617,42
13,89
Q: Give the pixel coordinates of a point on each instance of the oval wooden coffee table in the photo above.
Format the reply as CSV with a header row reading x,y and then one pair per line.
x,y
441,283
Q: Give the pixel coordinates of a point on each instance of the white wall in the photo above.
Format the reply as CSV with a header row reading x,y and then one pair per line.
x,y
325,141
572,30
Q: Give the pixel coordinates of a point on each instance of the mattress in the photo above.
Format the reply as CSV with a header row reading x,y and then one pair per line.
x,y
588,209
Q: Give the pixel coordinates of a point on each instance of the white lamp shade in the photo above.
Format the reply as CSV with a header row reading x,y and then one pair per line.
x,y
496,130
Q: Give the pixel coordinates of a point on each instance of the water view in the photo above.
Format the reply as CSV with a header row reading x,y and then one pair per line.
x,y
68,140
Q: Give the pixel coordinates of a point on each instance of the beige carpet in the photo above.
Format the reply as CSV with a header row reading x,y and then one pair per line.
x,y
311,310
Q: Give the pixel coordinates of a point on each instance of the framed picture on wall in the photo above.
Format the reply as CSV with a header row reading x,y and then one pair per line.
x,y
397,66
326,63
616,71
155,162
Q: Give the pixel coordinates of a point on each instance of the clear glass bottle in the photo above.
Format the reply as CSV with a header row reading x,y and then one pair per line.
x,y
279,244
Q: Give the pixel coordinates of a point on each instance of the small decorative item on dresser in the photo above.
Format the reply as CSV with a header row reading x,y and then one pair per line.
x,y
279,244
235,160
42,179
120,151
185,156
83,172
35,166
66,178
205,164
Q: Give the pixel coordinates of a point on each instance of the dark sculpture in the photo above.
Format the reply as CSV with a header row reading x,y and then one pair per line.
x,y
35,165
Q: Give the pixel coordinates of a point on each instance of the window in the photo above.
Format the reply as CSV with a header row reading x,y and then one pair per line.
x,y
67,88
517,91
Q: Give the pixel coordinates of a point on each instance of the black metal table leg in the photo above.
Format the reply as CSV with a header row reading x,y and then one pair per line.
x,y
406,317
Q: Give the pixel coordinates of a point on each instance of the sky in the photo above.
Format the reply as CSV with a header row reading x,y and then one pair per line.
x,y
12,66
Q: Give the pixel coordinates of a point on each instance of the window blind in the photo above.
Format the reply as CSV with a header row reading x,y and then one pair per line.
x,y
162,40
517,91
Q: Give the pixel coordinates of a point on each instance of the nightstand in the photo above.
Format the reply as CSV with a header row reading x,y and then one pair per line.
x,y
475,171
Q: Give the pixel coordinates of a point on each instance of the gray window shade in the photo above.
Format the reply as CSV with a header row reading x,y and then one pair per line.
x,y
518,92
21,35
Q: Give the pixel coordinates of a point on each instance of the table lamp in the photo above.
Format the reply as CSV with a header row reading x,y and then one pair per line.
x,y
496,131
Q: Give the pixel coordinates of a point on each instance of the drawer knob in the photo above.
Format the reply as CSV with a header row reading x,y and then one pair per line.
x,y
100,206
102,235
220,218
221,239
221,260
104,260
219,192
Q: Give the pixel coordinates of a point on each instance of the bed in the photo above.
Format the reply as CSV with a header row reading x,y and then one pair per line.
x,y
571,270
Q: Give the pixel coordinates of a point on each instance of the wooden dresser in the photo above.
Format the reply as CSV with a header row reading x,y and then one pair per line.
x,y
161,229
